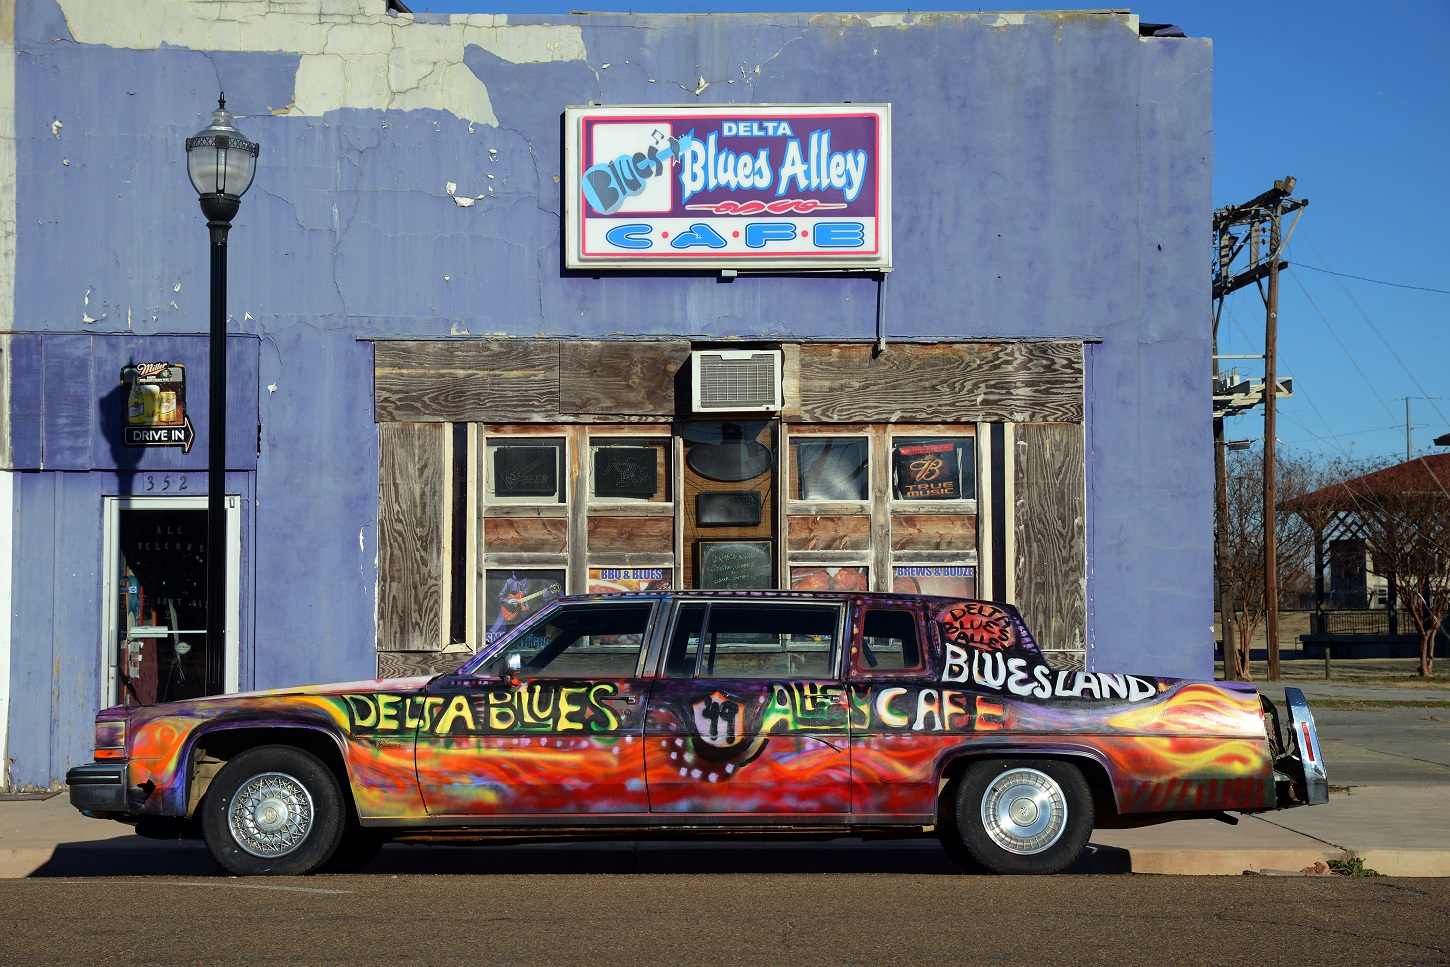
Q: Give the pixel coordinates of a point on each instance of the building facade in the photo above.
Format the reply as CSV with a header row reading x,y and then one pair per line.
x,y
525,306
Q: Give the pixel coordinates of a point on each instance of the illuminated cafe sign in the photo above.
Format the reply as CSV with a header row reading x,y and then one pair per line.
x,y
729,187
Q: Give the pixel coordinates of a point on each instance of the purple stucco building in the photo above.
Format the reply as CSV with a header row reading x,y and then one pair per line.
x,y
439,415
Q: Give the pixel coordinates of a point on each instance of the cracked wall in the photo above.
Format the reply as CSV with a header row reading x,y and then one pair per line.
x,y
1050,180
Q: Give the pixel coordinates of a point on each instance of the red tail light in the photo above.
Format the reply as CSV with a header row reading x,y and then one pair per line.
x,y
111,728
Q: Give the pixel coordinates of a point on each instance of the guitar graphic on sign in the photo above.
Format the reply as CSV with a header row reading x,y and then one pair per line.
x,y
514,604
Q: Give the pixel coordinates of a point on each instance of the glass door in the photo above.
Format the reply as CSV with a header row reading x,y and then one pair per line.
x,y
156,647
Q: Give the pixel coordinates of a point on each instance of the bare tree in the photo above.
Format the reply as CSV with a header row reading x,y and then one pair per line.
x,y
1241,569
1407,533
1402,511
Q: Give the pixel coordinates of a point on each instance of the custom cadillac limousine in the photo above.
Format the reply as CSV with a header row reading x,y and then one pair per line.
x,y
689,712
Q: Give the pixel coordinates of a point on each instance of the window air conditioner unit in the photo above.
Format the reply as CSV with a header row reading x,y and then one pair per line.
x,y
736,380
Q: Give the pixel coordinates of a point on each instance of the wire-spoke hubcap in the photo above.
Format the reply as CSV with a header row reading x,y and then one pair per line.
x,y
270,815
1024,811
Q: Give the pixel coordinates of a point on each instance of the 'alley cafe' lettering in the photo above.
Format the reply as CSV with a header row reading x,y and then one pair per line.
x,y
806,184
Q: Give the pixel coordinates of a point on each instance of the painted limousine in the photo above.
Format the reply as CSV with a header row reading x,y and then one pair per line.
x,y
689,712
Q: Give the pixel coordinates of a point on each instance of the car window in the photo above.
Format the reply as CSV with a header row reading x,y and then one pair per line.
x,y
740,640
889,642
580,641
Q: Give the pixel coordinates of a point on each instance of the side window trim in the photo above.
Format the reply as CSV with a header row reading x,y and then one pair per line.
x,y
861,665
670,630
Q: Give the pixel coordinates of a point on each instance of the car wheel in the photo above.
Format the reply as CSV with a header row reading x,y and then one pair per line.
x,y
1023,815
274,810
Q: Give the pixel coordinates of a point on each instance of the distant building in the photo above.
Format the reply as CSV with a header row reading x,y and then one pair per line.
x,y
1357,612
1353,582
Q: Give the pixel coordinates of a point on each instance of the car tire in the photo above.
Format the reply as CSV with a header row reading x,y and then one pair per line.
x,y
274,810
1022,815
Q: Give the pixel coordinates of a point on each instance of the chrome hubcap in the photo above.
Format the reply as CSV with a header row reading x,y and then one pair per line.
x,y
1024,811
271,814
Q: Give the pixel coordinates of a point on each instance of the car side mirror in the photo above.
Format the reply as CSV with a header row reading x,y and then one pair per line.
x,y
513,664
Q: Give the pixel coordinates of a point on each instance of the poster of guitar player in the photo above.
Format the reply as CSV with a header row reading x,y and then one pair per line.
x,y
514,595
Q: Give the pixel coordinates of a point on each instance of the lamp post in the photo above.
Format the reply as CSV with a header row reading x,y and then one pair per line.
x,y
221,164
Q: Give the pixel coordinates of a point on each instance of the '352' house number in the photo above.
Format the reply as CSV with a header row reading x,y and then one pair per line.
x,y
162,483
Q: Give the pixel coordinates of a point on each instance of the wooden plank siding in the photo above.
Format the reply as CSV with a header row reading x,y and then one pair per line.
x,y
406,664
526,381
808,532
465,382
953,383
630,535
560,381
1049,523
933,532
412,508
620,379
526,535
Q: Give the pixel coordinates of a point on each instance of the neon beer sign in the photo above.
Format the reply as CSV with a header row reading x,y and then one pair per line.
x,y
730,186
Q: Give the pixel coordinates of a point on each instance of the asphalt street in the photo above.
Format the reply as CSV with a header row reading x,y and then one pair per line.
x,y
748,919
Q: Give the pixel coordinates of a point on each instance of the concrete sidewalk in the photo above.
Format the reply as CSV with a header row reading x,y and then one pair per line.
x,y
1389,774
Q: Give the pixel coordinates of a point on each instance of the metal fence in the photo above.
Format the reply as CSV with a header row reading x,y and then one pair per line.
x,y
1376,622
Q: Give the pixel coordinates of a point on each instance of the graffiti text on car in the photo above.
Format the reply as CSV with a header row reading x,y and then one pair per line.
x,y
1018,676
534,708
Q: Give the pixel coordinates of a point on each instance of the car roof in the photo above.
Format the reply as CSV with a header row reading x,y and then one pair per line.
x,y
884,597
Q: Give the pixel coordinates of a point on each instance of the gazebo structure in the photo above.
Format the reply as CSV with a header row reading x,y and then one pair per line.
x,y
1365,629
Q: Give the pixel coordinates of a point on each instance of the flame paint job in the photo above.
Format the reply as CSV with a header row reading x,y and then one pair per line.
x,y
870,747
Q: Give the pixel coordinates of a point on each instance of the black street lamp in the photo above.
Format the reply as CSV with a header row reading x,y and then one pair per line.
x,y
221,164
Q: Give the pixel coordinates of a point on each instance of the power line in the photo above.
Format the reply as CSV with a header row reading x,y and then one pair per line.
x,y
1361,278
1374,328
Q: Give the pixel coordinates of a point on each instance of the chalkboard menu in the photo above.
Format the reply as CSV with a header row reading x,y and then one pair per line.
x,y
736,565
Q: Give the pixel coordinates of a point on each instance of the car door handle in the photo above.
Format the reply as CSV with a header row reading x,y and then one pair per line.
x,y
626,699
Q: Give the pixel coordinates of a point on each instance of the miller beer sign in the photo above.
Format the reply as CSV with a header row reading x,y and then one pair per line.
x,y
156,407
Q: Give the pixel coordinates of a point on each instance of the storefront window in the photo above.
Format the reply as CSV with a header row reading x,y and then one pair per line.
x,y
626,470
608,580
933,468
826,578
526,471
831,468
951,581
513,595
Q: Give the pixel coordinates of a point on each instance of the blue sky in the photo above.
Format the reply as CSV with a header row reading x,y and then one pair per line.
x,y
1353,100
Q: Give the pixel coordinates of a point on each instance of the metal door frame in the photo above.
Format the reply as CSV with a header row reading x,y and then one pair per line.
x,y
110,583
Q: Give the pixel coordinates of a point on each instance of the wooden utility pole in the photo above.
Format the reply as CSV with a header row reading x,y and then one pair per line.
x,y
1235,227
1271,442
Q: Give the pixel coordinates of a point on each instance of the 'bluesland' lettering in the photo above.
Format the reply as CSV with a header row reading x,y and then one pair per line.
x,y
1018,676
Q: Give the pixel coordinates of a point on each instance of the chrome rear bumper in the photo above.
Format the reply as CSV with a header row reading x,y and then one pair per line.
x,y
1302,762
